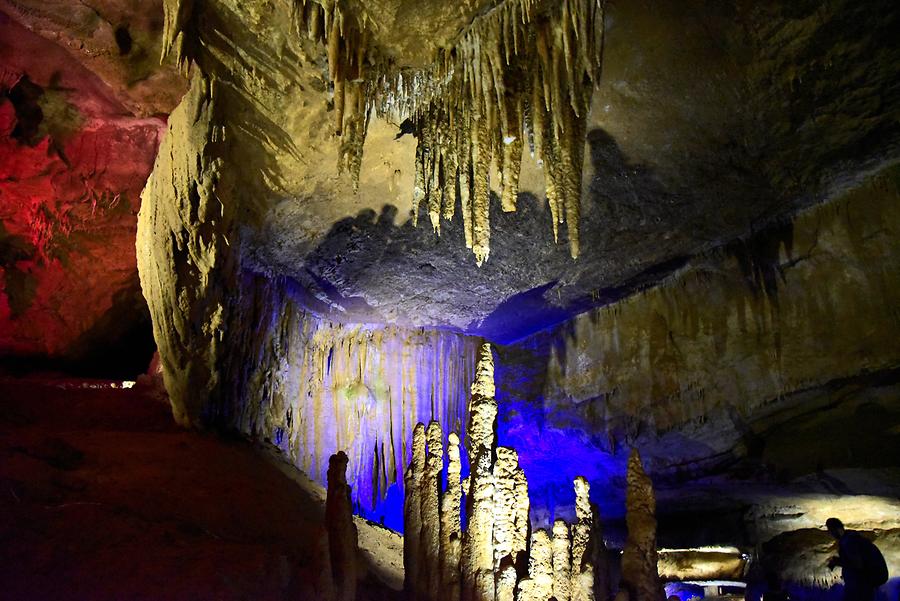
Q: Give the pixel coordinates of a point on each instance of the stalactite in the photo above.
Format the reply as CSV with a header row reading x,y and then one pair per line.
x,y
473,105
639,558
178,34
487,83
349,51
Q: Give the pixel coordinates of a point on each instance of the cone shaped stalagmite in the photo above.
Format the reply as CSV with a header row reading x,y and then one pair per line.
x,y
639,560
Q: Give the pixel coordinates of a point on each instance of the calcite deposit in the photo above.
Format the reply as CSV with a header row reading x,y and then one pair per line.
x,y
343,544
729,186
640,577
493,563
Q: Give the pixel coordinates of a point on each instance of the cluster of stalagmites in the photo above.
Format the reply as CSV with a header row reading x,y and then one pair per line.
x,y
520,74
493,558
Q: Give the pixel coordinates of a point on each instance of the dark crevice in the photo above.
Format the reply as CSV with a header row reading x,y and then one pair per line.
x,y
25,97
123,40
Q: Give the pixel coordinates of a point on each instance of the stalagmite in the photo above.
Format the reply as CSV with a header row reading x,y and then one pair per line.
x,y
506,584
639,559
451,535
582,587
342,535
562,561
412,515
522,521
538,586
506,538
478,552
430,568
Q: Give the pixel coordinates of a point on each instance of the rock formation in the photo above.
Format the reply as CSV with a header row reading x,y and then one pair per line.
x,y
188,267
538,586
342,536
586,544
640,578
451,526
562,561
430,540
488,561
412,518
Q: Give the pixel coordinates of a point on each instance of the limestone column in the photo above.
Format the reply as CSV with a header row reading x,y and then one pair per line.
x,y
342,535
430,568
451,535
640,577
412,514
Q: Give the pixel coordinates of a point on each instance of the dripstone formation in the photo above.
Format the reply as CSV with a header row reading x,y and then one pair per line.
x,y
342,534
490,559
640,579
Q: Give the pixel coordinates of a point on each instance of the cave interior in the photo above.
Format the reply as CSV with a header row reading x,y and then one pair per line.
x,y
486,300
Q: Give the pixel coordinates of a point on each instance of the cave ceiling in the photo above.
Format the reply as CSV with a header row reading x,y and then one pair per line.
x,y
710,122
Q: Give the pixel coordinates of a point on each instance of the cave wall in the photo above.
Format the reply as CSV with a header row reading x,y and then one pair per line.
x,y
73,161
312,387
800,318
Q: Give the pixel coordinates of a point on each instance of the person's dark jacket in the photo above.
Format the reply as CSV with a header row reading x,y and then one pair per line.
x,y
861,565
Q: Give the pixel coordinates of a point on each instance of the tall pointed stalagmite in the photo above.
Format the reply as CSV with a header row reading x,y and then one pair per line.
x,y
584,544
451,533
342,535
640,577
412,515
478,547
430,568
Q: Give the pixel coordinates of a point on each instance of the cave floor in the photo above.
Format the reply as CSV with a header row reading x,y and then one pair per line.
x,y
102,496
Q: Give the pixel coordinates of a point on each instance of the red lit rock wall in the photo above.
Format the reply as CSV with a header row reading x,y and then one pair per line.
x,y
73,162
